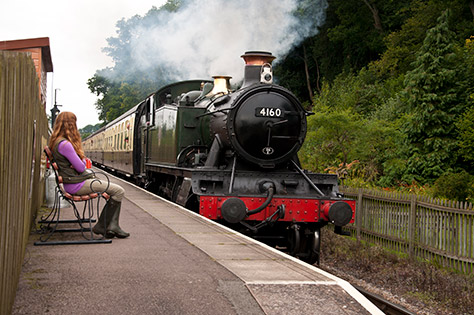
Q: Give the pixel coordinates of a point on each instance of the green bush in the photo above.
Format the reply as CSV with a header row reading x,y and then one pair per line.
x,y
455,186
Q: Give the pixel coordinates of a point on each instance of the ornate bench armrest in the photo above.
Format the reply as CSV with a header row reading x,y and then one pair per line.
x,y
101,178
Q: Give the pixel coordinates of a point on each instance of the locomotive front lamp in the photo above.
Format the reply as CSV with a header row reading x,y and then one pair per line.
x,y
266,74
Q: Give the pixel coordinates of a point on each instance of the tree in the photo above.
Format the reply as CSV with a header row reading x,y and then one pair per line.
x,y
471,6
89,129
410,23
434,103
375,13
466,137
345,127
465,125
115,98
125,84
330,139
347,42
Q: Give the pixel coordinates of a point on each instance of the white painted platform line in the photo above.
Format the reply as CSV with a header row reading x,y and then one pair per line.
x,y
292,282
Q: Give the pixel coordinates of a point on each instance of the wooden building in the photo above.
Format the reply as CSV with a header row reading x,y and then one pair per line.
x,y
41,54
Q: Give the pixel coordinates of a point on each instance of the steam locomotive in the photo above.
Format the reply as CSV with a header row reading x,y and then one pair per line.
x,y
229,155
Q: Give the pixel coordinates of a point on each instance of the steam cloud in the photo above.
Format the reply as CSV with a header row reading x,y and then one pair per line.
x,y
207,37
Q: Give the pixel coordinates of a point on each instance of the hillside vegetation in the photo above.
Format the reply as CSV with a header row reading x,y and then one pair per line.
x,y
405,117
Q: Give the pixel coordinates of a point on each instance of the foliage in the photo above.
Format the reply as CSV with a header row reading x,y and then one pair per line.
x,y
466,136
465,125
455,186
347,42
331,138
400,128
401,43
418,17
123,86
345,128
115,98
434,103
89,129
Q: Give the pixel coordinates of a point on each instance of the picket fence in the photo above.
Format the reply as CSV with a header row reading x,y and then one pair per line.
x,y
23,133
440,231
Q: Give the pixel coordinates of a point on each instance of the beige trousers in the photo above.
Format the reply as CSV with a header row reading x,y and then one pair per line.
x,y
91,185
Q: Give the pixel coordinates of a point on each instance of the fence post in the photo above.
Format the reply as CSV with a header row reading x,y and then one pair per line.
x,y
412,226
358,218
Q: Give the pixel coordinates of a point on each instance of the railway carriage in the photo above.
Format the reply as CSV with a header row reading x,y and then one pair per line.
x,y
112,145
229,155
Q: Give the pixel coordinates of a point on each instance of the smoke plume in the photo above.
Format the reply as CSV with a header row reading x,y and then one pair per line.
x,y
207,37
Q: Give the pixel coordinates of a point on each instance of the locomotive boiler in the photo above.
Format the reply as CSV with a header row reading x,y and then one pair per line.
x,y
230,155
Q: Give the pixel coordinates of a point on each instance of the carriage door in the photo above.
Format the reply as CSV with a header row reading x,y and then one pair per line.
x,y
143,138
140,140
148,123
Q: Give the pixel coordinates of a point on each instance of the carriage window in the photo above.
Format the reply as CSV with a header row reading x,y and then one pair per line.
x,y
152,109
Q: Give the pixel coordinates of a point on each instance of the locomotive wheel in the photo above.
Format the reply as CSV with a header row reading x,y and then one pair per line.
x,y
176,187
294,239
192,202
311,248
315,248
305,246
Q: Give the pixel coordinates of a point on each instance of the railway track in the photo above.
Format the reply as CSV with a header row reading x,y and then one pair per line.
x,y
384,305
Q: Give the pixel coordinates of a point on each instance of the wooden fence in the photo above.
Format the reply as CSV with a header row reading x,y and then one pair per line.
x,y
23,133
436,230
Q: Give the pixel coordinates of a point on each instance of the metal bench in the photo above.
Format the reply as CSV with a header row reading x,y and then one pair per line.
x,y
50,223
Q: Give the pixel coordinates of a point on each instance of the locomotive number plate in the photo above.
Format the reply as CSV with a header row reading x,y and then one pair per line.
x,y
268,112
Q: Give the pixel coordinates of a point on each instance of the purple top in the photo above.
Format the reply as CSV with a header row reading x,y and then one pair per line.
x,y
66,149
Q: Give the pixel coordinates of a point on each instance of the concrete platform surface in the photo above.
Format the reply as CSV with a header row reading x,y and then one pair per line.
x,y
176,262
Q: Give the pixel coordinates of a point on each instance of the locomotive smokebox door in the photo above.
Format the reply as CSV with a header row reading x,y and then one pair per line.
x,y
278,117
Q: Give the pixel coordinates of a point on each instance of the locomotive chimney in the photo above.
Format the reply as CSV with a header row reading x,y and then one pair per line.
x,y
221,85
257,67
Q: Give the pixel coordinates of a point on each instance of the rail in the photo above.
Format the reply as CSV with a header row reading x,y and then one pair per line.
x,y
384,305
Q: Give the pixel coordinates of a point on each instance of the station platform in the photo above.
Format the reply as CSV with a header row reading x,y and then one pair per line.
x,y
176,262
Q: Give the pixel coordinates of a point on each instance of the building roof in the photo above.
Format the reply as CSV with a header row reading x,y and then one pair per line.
x,y
41,42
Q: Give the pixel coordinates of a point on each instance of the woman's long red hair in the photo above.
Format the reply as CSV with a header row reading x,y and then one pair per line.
x,y
65,127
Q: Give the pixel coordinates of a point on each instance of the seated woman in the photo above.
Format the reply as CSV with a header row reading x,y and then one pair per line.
x,y
65,144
